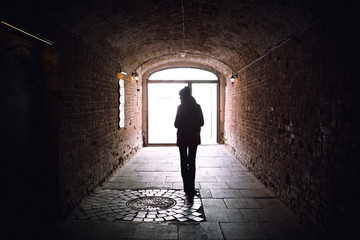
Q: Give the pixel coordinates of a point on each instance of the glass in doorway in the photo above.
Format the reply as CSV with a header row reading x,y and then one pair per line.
x,y
206,95
163,100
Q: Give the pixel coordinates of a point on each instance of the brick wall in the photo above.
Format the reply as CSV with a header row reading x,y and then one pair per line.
x,y
91,145
292,119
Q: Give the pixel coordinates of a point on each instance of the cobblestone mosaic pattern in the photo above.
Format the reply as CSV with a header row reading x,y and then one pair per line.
x,y
147,205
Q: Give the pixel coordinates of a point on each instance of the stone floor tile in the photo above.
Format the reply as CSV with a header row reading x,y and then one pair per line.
x,y
214,203
208,179
169,218
257,193
151,174
126,179
204,230
168,167
225,193
173,179
238,178
220,162
145,168
169,174
223,215
267,215
243,185
222,179
216,171
156,231
158,178
245,231
214,185
159,184
198,219
205,163
241,203
205,193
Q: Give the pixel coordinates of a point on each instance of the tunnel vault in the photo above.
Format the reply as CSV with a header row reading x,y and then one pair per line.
x,y
291,116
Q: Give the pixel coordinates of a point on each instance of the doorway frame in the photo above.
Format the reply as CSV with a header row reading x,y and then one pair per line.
x,y
189,82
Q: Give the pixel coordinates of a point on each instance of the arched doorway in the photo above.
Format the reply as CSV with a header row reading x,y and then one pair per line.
x,y
162,101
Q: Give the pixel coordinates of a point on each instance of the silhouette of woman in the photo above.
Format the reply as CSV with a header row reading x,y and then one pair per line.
x,y
189,120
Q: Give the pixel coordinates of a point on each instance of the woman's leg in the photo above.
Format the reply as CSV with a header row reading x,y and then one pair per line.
x,y
192,168
184,162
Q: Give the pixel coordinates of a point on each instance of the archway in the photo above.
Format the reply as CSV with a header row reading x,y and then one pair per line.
x,y
162,101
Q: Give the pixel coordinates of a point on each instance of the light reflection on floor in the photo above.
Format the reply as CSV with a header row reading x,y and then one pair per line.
x,y
145,205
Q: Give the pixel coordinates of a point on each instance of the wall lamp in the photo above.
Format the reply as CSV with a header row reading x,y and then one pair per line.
x,y
233,77
135,76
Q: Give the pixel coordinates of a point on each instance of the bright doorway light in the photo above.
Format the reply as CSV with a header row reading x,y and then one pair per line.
x,y
162,105
206,95
163,100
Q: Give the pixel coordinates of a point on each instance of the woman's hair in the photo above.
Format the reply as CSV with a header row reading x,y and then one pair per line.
x,y
185,92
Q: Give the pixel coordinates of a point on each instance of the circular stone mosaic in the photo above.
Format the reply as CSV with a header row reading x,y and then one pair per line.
x,y
146,205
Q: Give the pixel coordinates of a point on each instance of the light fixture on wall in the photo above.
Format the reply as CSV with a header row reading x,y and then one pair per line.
x,y
135,76
233,77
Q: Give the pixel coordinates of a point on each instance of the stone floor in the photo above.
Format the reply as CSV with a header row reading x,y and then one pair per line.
x,y
144,200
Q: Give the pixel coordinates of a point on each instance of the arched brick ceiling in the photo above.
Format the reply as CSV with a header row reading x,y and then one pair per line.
x,y
235,32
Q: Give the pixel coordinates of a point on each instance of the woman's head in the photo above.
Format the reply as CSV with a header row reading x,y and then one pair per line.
x,y
185,92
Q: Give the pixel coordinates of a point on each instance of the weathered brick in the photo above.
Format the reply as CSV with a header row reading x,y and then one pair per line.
x,y
287,121
91,145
